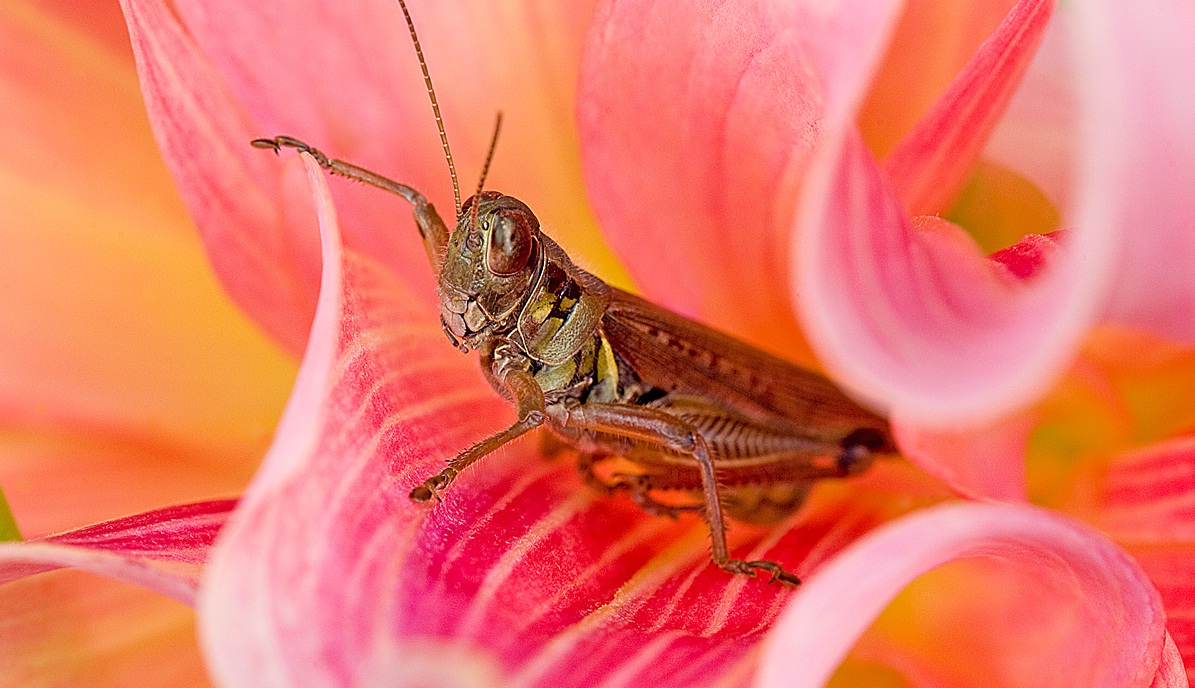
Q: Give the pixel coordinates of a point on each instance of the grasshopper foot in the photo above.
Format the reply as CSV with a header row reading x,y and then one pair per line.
x,y
750,567
279,142
432,487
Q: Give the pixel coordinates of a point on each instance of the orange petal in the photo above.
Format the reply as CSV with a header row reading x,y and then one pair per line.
x,y
113,325
71,628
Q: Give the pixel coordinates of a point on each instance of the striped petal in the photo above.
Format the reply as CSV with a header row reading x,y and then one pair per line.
x,y
330,575
267,260
161,550
1149,495
1089,618
891,312
927,169
61,627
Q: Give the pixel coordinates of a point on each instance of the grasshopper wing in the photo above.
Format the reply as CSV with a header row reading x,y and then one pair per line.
x,y
678,355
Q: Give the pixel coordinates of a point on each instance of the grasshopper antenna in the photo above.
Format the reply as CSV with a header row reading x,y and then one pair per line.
x,y
485,169
431,93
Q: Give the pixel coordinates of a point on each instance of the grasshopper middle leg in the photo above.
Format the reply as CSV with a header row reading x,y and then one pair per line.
x,y
655,426
639,486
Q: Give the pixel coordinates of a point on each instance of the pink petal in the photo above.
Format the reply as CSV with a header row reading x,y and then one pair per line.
x,y
907,317
930,45
1110,631
161,550
985,462
56,480
265,263
1149,495
329,575
118,350
1038,134
697,123
930,165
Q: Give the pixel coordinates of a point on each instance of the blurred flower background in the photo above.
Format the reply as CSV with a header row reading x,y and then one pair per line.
x,y
129,381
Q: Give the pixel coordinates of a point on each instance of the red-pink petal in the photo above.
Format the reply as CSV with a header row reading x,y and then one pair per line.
x,y
1114,633
162,550
329,575
1149,495
931,163
1039,132
266,264
345,78
889,309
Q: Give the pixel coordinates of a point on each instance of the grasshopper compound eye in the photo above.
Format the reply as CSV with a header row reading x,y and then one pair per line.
x,y
511,242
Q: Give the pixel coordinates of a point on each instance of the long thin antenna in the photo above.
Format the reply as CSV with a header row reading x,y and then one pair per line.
x,y
485,169
431,93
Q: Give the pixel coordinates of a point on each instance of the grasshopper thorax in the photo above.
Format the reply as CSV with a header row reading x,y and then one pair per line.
x,y
490,264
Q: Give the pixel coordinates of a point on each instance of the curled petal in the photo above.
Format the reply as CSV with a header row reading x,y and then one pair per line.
x,y
161,550
891,312
1171,568
1171,673
1137,156
1111,634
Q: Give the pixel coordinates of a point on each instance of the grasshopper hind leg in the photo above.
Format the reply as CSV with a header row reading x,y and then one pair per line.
x,y
658,427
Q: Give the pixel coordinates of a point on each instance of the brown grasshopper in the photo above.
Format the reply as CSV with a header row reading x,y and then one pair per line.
x,y
614,375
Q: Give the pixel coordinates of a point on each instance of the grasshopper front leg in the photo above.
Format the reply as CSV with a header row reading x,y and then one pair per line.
x,y
431,228
529,402
655,426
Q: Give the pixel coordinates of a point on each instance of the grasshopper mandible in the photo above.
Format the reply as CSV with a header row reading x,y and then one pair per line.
x,y
614,375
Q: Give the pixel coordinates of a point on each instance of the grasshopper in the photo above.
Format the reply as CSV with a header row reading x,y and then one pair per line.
x,y
613,375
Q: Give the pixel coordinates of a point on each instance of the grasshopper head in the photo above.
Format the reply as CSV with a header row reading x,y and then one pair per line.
x,y
489,265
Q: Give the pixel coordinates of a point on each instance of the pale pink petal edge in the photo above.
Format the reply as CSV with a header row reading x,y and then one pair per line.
x,y
836,605
298,430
